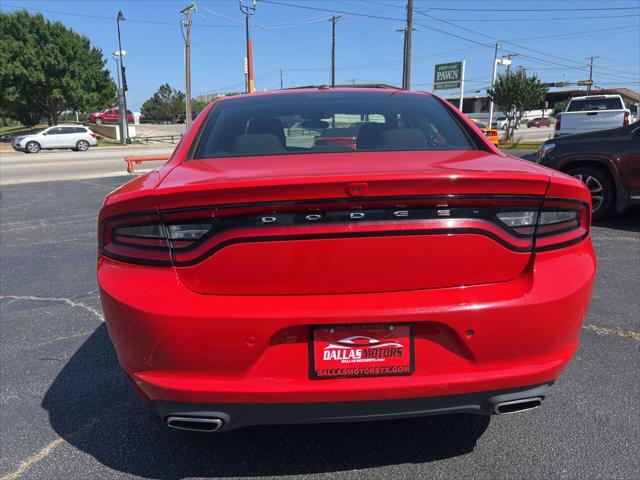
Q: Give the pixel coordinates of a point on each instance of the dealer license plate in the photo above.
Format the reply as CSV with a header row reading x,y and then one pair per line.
x,y
346,351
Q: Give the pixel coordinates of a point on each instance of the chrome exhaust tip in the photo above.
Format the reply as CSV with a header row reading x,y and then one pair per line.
x,y
517,406
195,424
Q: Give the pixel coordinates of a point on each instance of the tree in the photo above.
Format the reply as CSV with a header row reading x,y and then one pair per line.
x,y
516,93
46,68
164,106
198,105
558,107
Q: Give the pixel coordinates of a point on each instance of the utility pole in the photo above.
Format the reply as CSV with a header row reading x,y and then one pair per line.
x,y
249,10
122,126
281,81
122,95
186,11
509,57
333,21
591,59
493,81
406,62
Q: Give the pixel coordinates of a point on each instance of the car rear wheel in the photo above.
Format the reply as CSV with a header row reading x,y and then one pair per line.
x,y
600,186
32,147
98,121
82,146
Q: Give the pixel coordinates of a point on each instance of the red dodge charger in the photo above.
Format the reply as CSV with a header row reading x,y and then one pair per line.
x,y
262,277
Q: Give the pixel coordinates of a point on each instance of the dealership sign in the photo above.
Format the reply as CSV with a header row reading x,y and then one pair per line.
x,y
448,75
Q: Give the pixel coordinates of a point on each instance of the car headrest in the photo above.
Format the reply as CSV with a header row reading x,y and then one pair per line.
x,y
259,144
265,125
404,139
369,135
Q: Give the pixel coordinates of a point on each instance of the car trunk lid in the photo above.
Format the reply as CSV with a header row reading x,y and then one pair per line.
x,y
385,222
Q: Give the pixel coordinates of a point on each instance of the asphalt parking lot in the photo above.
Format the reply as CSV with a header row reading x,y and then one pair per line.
x,y
68,412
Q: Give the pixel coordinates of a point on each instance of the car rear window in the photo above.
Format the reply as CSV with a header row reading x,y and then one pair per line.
x,y
595,103
318,122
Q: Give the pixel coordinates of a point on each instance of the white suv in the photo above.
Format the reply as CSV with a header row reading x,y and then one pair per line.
x,y
75,137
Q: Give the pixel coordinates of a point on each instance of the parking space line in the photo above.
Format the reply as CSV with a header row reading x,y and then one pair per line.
x,y
25,465
618,331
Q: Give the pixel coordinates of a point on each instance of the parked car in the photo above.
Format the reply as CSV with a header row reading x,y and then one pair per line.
x,y
607,161
258,278
501,123
75,137
109,115
338,136
181,117
490,133
591,113
538,122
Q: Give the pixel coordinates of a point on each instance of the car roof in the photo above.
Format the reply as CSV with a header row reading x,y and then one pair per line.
x,y
308,89
594,97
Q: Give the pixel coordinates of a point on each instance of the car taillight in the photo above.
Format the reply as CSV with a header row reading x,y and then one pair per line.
x,y
625,122
558,119
558,223
93,135
561,223
146,239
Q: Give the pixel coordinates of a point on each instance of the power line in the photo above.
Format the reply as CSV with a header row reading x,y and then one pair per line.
x,y
509,43
546,10
98,17
581,33
492,38
343,12
529,19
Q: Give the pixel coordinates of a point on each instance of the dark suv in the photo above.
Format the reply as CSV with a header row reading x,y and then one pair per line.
x,y
607,161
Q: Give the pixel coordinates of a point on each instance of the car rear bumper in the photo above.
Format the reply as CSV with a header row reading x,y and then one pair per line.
x,y
239,415
180,347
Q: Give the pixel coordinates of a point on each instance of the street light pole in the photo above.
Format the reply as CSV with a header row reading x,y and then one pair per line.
x,y
121,126
249,10
122,87
493,82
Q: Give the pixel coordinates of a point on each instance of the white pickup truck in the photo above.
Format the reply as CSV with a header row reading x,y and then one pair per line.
x,y
595,112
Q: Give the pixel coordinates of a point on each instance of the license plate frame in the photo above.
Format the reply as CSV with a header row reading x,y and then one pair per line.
x,y
384,362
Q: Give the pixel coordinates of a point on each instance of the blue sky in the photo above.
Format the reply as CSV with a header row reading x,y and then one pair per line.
x,y
552,38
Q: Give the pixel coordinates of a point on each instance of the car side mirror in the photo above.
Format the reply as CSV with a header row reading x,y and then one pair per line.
x,y
45,133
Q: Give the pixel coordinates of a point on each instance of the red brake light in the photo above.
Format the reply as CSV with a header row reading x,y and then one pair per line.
x,y
144,238
558,118
561,223
625,122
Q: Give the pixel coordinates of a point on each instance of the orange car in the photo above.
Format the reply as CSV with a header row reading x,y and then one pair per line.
x,y
490,133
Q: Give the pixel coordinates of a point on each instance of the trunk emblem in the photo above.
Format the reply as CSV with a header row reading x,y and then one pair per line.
x,y
313,217
357,189
268,219
401,213
357,215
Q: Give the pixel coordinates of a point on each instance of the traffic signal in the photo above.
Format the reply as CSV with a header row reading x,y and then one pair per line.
x,y
546,105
